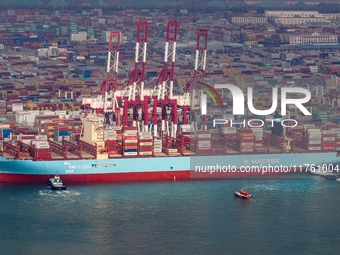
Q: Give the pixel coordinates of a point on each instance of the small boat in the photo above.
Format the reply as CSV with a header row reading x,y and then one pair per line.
x,y
242,194
56,183
337,179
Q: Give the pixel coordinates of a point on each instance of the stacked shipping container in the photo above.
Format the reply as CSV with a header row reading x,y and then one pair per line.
x,y
130,141
145,144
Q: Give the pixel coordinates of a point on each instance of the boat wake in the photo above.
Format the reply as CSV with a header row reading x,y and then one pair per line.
x,y
58,193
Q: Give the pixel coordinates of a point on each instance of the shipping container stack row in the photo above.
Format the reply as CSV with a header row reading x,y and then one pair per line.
x,y
202,143
110,138
40,144
274,143
245,141
312,139
130,142
5,132
238,140
30,146
183,144
3,108
234,141
61,132
169,145
227,136
157,146
41,150
258,143
145,144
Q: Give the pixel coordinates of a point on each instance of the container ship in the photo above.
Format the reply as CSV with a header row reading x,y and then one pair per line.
x,y
146,131
128,155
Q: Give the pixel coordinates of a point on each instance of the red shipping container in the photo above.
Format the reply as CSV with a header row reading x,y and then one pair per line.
x,y
130,147
130,128
145,140
247,138
130,137
246,147
145,148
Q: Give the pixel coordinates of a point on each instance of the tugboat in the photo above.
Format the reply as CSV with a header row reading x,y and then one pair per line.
x,y
242,194
56,183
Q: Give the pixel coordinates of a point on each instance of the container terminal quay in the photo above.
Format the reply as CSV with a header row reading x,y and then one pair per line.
x,y
118,97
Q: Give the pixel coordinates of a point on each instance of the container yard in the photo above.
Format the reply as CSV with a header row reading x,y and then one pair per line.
x,y
87,106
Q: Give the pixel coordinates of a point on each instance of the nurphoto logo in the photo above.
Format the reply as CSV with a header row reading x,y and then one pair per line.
x,y
238,105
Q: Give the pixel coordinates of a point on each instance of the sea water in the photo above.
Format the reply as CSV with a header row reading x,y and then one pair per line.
x,y
285,216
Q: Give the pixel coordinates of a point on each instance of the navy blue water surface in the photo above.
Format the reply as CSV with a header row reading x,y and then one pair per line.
x,y
285,216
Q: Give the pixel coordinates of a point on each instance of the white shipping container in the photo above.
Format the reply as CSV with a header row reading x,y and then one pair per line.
x,y
246,150
39,142
17,108
144,134
247,144
314,132
328,132
145,144
204,135
130,133
130,153
131,141
47,113
109,132
229,128
116,128
314,148
204,145
258,129
229,132
145,138
172,150
315,142
306,126
328,138
41,137
110,135
145,153
42,146
60,112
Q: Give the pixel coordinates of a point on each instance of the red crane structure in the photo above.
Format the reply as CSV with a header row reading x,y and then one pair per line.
x,y
134,99
106,100
200,63
163,98
134,96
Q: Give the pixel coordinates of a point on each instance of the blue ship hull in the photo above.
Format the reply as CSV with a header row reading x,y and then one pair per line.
x,y
166,168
